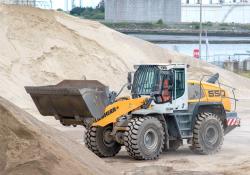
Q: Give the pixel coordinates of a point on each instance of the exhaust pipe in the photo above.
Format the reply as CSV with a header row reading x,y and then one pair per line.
x,y
213,78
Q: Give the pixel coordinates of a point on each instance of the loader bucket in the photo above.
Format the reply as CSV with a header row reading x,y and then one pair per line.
x,y
71,99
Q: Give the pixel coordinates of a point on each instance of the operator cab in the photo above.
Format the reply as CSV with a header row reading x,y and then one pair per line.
x,y
165,84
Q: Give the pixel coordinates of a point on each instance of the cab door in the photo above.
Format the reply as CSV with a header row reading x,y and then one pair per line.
x,y
180,95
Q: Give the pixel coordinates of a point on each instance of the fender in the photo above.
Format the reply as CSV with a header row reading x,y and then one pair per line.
x,y
216,107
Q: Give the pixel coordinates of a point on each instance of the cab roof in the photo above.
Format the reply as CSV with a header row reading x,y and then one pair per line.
x,y
163,65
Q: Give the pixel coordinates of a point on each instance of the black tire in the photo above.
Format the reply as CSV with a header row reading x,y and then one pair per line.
x,y
144,138
208,134
174,144
95,141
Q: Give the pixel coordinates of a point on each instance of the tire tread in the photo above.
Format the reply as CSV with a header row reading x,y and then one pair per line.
x,y
197,145
131,138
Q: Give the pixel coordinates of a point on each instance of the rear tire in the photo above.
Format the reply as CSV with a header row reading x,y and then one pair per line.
x,y
144,138
98,140
208,134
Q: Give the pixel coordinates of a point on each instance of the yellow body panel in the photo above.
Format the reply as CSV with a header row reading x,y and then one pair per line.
x,y
118,109
212,93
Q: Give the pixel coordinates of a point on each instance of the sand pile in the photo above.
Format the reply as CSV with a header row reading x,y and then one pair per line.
x,y
30,147
42,47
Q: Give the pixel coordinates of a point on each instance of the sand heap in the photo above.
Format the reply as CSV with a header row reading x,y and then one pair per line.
x,y
42,47
29,147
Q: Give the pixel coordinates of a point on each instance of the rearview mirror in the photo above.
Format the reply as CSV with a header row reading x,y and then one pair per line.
x,y
129,80
129,77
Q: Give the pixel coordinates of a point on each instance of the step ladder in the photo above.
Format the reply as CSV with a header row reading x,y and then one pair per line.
x,y
184,124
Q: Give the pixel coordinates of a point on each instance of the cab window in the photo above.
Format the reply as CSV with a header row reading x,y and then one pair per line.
x,y
179,82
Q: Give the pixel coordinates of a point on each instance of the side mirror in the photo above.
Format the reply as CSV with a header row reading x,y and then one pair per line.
x,y
129,81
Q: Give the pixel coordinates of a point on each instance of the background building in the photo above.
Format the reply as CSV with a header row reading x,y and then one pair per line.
x,y
214,1
142,10
221,13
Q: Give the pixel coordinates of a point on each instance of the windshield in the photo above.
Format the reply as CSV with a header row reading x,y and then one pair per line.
x,y
146,80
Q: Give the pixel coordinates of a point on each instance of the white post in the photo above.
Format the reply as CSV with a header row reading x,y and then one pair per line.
x,y
200,40
207,42
66,5
72,4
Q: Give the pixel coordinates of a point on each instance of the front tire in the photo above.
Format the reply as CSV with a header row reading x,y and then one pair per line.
x,y
99,141
208,134
144,138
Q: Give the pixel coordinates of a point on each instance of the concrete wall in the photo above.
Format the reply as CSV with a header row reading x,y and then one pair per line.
x,y
142,10
227,13
246,65
232,66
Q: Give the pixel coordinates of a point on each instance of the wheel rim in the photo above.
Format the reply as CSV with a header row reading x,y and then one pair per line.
x,y
107,138
211,135
150,139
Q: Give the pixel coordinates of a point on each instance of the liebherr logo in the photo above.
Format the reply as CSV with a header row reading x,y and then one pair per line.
x,y
111,111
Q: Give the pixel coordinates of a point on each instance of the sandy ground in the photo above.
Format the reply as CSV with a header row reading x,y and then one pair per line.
x,y
30,147
41,47
233,159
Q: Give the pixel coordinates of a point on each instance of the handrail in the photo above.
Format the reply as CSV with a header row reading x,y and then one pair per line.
x,y
232,90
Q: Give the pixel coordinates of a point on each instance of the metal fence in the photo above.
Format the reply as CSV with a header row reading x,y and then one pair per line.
x,y
20,2
236,62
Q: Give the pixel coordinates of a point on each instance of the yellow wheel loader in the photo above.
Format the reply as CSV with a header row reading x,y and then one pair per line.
x,y
162,111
